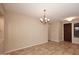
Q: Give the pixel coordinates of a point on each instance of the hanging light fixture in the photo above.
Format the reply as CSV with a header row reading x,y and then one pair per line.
x,y
71,18
44,19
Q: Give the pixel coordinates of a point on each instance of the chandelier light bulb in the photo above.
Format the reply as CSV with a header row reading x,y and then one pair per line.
x,y
41,19
48,19
45,18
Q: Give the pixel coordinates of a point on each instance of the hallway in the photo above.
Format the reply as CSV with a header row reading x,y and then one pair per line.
x,y
50,48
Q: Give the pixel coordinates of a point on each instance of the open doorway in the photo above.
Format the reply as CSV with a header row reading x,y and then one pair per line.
x,y
68,32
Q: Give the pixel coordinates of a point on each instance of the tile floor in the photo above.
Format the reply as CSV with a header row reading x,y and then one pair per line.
x,y
50,48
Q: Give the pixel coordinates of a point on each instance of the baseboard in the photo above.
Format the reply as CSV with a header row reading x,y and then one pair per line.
x,y
24,47
75,42
54,41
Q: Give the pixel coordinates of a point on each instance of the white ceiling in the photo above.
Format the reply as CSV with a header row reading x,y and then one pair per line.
x,y
57,11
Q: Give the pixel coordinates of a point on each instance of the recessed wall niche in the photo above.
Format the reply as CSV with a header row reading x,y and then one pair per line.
x,y
76,30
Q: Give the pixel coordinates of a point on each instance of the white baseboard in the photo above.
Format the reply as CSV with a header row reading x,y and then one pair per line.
x,y
75,42
24,47
55,40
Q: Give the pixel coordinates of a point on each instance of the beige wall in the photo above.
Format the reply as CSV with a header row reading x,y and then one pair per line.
x,y
1,10
55,31
22,31
74,39
1,34
1,29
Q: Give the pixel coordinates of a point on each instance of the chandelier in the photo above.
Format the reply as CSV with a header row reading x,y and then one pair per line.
x,y
44,19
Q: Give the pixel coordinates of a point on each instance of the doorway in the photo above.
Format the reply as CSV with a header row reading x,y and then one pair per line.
x,y
68,32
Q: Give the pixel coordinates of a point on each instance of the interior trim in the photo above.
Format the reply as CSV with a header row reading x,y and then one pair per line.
x,y
23,47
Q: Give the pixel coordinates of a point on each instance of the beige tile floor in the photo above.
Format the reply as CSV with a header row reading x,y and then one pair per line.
x,y
50,48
